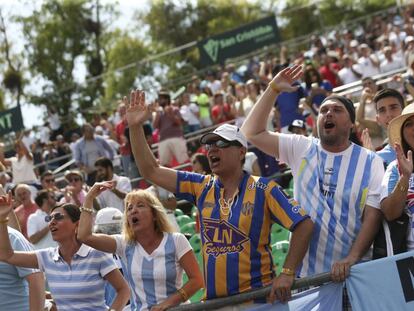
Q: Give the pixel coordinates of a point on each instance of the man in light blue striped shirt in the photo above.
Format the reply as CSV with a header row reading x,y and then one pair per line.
x,y
337,182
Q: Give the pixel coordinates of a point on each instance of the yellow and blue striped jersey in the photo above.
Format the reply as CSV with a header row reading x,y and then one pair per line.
x,y
236,247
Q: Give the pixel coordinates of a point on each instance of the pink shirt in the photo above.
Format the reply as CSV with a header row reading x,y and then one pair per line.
x,y
23,214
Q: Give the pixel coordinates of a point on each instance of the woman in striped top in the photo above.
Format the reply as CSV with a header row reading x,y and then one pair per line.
x,y
75,272
153,257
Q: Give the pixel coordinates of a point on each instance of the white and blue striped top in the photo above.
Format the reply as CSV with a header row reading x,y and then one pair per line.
x,y
152,277
80,285
333,188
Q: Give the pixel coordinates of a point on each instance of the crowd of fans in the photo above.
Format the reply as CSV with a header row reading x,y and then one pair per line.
x,y
108,150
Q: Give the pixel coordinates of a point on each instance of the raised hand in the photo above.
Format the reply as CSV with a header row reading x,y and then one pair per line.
x,y
137,112
284,79
366,140
6,205
405,163
98,188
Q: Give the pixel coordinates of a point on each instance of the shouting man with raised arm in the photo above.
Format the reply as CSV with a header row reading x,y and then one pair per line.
x,y
337,182
236,210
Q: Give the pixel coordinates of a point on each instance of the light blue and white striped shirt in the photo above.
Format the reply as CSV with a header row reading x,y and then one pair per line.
x,y
80,285
333,188
152,277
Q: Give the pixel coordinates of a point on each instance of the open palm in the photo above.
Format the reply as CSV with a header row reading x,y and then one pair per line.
x,y
5,205
405,163
284,79
137,112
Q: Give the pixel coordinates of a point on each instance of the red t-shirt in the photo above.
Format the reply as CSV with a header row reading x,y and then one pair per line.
x,y
217,110
23,213
120,131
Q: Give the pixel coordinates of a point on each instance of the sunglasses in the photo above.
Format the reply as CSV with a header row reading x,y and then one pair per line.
x,y
75,179
221,143
49,180
55,216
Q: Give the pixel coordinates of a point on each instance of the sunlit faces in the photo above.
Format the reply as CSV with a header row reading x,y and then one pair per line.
x,y
60,225
23,195
408,132
334,123
140,216
224,156
387,109
101,173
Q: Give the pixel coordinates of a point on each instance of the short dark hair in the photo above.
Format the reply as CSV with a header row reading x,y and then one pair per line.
x,y
203,160
41,196
104,162
384,93
71,209
45,174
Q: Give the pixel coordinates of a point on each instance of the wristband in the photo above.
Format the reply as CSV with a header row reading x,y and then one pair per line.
x,y
4,221
85,209
183,294
288,271
274,88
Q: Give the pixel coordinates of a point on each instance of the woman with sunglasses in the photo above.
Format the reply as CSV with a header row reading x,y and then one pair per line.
x,y
76,273
153,256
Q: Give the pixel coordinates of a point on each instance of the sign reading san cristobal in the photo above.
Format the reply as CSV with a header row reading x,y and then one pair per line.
x,y
236,42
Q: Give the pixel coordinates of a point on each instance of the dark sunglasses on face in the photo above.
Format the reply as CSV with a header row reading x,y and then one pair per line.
x,y
55,216
221,143
49,180
75,179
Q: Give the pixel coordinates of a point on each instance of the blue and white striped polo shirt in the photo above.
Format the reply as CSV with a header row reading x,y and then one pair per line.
x,y
333,188
80,285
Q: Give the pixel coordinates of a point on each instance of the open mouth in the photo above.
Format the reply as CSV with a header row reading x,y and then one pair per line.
x,y
135,220
53,230
329,125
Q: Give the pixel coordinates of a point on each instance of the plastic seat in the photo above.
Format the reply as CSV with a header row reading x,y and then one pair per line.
x,y
188,228
178,212
182,220
279,233
279,253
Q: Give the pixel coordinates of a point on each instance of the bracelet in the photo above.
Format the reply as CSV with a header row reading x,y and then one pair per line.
x,y
85,209
274,88
183,294
403,188
4,221
288,271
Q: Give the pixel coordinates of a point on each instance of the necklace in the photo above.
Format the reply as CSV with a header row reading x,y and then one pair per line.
x,y
225,205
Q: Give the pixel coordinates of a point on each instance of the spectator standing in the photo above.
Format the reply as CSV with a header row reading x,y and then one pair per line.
x,y
88,149
336,181
82,271
122,185
350,71
368,62
221,111
37,227
169,123
20,288
22,166
153,257
225,201
26,207
190,113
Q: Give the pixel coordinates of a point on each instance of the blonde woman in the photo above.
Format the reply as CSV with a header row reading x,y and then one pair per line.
x,y
153,256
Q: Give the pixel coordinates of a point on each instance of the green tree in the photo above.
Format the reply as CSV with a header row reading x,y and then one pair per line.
x,y
58,35
124,50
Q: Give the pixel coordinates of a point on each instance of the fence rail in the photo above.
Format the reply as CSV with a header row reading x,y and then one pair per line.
x,y
214,304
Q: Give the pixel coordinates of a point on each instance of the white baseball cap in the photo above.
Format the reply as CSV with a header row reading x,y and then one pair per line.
x,y
108,215
228,132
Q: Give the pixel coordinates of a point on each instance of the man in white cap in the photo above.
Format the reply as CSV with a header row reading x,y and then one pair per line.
x,y
236,210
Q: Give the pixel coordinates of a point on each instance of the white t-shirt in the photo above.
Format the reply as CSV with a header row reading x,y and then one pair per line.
x,y
110,199
22,170
248,164
347,76
367,68
35,223
189,114
333,188
152,277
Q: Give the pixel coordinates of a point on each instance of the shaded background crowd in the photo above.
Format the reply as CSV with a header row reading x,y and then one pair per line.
x,y
357,62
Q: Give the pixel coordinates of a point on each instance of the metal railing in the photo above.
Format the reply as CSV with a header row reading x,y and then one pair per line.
x,y
315,280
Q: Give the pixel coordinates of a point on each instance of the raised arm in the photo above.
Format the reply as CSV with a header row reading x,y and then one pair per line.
x,y
393,205
101,242
254,127
137,113
7,254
